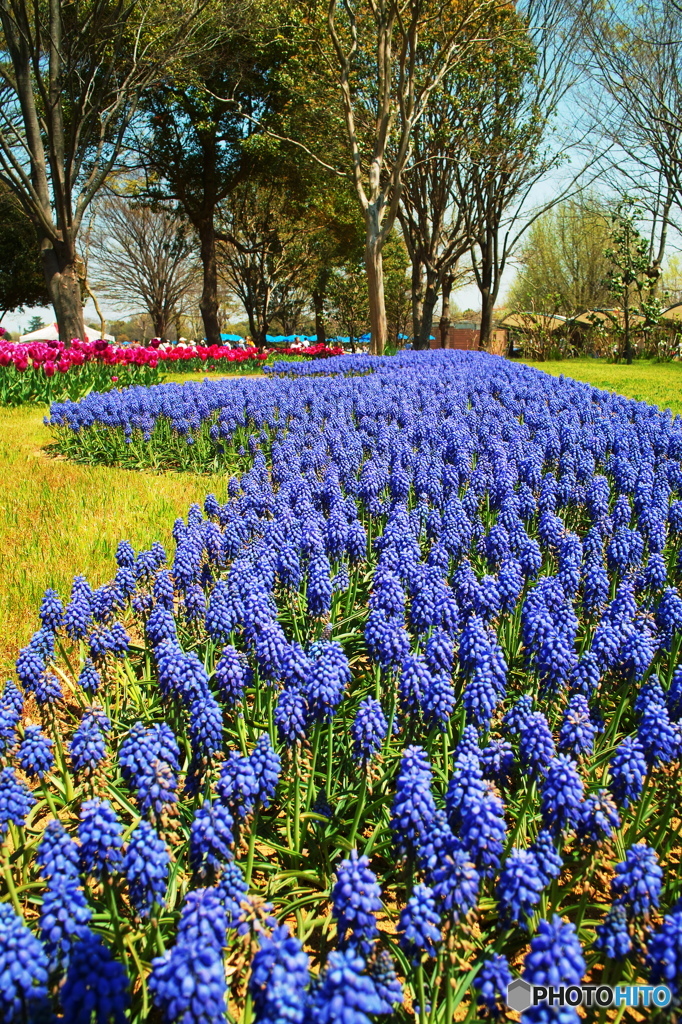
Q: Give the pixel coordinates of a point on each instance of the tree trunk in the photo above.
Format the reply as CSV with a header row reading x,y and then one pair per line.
x,y
487,303
160,326
63,284
423,340
444,324
209,294
318,306
417,299
377,305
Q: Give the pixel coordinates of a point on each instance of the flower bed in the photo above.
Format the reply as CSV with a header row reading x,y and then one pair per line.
x,y
396,724
49,372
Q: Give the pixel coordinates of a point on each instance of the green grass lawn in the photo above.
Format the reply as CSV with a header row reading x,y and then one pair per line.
x,y
646,381
58,519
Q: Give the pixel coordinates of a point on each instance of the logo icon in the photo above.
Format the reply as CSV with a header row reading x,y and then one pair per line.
x,y
519,995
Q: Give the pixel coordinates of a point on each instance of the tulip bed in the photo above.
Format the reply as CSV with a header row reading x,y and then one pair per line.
x,y
396,724
49,371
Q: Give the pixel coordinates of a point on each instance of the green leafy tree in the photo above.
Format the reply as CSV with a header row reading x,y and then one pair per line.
x,y
71,77
630,276
563,268
22,282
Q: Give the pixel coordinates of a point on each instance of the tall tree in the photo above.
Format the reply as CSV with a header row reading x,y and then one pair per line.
x,y
146,256
563,268
389,58
69,89
632,59
197,124
265,254
512,102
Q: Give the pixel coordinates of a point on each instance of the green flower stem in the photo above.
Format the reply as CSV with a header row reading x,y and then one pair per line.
x,y
362,798
248,871
421,990
11,888
330,758
297,799
317,736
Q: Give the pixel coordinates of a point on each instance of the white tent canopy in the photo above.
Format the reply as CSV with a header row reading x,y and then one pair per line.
x,y
51,333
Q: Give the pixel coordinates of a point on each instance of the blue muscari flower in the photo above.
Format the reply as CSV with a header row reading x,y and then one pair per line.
x,y
125,555
96,984
237,786
480,694
598,817
64,917
468,745
231,889
149,759
35,753
160,626
89,678
211,837
492,981
673,697
519,886
145,865
99,832
651,692
613,934
48,689
356,899
232,675
78,614
498,761
87,748
456,881
482,830
319,585
295,666
466,788
279,978
628,770
205,728
536,745
516,718
584,678
438,701
656,573
51,610
381,970
327,681
415,678
547,857
195,603
58,854
440,652
9,719
669,611
16,800
577,728
413,810
23,970
638,879
420,922
368,730
30,666
291,716
12,698
596,586
658,737
387,640
562,794
664,953
164,590
203,921
345,994
266,764
555,958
